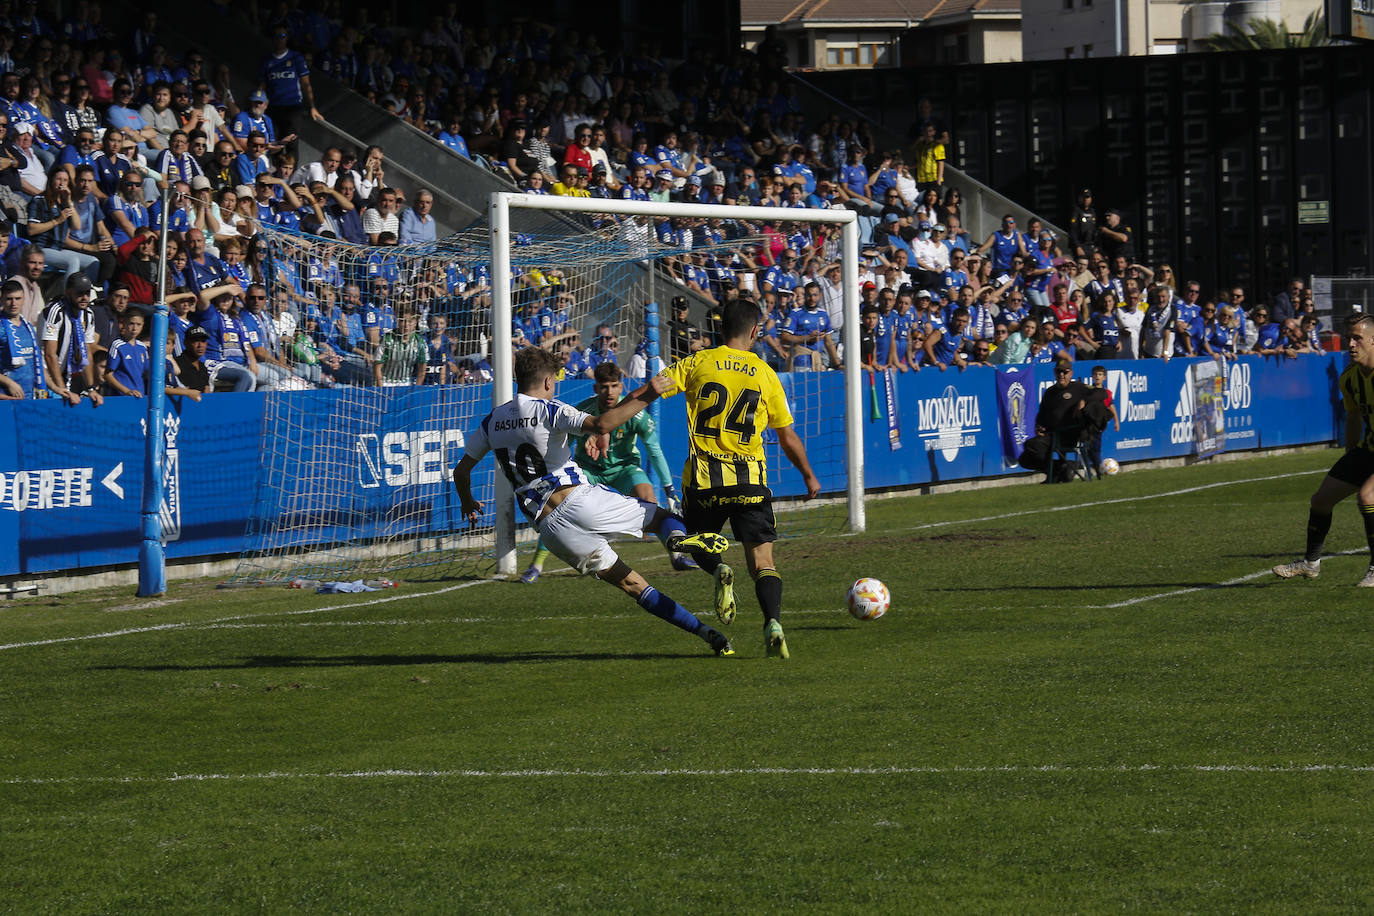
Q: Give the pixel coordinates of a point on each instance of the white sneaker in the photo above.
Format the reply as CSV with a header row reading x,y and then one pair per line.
x,y
1368,580
1307,569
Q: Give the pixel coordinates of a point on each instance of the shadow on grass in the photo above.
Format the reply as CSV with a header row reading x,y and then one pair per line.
x,y
363,661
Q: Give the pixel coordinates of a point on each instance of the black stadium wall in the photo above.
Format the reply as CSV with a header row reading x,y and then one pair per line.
x,y
1234,168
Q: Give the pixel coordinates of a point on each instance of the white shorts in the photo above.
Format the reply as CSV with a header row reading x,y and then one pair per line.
x,y
576,531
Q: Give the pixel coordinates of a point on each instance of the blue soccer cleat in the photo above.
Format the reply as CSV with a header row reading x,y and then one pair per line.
x,y
682,562
530,576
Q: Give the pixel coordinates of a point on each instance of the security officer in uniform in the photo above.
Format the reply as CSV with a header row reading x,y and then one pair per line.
x,y
684,338
1083,226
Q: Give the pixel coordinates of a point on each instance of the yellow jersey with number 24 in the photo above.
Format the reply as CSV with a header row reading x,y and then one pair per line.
x,y
732,397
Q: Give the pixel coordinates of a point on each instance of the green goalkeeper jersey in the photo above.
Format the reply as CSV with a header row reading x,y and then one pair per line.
x,y
623,454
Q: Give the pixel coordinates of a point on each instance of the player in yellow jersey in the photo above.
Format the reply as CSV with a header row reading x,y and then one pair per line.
x,y
1354,471
732,397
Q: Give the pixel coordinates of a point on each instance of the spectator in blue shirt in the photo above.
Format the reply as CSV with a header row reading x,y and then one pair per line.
x,y
256,118
80,152
21,363
110,166
285,76
229,355
126,365
124,116
253,161
417,223
125,212
91,238
451,137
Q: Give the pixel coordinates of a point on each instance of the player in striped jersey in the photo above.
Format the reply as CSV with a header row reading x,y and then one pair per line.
x,y
732,397
529,435
618,466
1353,472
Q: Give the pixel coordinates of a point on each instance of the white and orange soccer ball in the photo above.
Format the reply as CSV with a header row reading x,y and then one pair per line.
x,y
1110,467
869,599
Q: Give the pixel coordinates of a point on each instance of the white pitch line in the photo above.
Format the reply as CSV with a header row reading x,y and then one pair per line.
x,y
183,625
1090,505
1267,571
1018,769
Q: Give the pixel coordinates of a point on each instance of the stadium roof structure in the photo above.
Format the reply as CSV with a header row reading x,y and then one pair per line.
x,y
908,13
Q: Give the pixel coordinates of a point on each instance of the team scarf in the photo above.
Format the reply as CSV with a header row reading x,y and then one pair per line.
x,y
77,354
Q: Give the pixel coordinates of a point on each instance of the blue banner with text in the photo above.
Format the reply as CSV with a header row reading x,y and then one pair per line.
x,y
70,477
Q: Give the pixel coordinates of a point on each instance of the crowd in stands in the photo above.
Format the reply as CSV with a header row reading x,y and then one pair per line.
x,y
96,124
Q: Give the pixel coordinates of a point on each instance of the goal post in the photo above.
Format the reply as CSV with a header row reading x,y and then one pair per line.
x,y
354,482
503,239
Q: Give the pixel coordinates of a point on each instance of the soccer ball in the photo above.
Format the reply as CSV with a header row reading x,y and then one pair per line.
x,y
1110,467
868,599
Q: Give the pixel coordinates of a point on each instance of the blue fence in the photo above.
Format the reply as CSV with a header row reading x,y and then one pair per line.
x,y
70,477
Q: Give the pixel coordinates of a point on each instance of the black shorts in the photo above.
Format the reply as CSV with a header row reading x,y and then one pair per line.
x,y
748,508
1354,467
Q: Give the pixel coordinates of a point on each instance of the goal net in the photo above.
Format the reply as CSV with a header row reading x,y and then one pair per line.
x,y
355,475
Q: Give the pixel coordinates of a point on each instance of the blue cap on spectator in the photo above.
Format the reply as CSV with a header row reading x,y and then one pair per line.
x,y
257,96
695,179
891,218
664,174
925,224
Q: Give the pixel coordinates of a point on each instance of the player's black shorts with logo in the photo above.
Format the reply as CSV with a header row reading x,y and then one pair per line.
x,y
747,507
1354,467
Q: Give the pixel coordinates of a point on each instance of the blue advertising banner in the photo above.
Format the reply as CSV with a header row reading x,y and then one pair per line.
x,y
70,477
894,413
1014,410
1209,413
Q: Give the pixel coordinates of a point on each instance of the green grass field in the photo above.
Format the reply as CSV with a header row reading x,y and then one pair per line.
x,y
1085,698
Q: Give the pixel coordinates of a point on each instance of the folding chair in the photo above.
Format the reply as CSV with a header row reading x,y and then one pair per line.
x,y
1066,455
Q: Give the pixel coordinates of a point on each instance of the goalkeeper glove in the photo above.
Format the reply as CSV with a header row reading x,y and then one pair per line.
x,y
674,501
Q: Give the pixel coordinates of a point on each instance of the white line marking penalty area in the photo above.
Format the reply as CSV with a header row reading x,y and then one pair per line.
x,y
1283,769
187,625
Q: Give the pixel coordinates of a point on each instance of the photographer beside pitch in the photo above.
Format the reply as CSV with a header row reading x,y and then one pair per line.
x,y
732,397
1354,471
529,435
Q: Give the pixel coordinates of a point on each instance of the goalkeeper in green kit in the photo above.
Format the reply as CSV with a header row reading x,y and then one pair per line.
x,y
619,467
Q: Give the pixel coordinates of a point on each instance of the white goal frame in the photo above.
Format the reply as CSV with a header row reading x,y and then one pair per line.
x,y
502,388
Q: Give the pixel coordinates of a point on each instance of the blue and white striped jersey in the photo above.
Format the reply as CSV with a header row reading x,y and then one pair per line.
x,y
530,439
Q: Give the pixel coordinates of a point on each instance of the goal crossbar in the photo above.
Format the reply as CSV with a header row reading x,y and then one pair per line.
x,y
499,228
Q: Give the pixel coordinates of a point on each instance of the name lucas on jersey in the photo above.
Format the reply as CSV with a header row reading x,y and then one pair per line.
x,y
732,365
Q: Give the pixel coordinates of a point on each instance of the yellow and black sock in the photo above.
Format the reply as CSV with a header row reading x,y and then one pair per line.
x,y
768,589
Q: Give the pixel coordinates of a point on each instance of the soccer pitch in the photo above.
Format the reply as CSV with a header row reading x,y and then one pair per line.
x,y
1085,697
